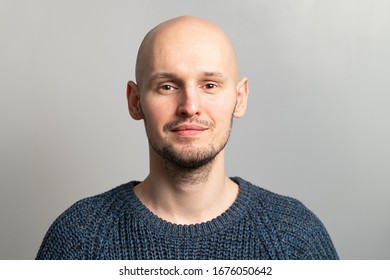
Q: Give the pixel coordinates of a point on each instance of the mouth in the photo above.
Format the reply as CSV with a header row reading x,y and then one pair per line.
x,y
188,130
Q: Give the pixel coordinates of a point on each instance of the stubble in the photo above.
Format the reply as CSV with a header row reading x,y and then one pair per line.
x,y
188,164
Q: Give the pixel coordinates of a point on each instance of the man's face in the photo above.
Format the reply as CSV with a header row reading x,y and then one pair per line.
x,y
188,96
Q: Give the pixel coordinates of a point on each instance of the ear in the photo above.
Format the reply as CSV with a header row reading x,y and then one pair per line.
x,y
242,91
133,100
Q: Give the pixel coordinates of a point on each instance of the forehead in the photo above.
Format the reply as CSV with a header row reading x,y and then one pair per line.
x,y
189,57
187,52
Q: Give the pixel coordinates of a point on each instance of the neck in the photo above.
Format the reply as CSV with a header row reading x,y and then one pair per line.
x,y
187,196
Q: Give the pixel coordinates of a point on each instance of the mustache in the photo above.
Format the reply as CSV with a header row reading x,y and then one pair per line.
x,y
173,124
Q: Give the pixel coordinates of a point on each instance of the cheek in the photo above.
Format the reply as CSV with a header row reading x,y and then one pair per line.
x,y
155,114
221,110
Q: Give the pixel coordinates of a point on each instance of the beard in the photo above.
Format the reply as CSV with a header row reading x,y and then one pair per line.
x,y
188,158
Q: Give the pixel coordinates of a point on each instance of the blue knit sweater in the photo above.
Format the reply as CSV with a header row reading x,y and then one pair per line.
x,y
116,225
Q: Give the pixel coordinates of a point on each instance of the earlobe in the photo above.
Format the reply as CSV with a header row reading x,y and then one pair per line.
x,y
133,101
242,91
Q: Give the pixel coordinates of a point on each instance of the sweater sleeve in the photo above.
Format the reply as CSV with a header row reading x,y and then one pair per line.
x,y
291,229
318,244
64,240
308,238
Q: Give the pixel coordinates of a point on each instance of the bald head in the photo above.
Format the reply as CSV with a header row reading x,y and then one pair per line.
x,y
183,44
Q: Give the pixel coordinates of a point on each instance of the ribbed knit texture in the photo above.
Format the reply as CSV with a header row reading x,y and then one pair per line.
x,y
116,225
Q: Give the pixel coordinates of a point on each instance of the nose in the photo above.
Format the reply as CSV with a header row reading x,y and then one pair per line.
x,y
189,103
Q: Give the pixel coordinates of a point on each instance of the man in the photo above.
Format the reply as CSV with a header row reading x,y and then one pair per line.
x,y
187,91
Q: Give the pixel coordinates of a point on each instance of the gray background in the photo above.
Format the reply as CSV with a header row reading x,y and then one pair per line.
x,y
317,126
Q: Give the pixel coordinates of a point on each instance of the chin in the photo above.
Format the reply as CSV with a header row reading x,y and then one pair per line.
x,y
188,157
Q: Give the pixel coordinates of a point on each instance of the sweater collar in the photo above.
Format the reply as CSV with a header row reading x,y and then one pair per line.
x,y
230,217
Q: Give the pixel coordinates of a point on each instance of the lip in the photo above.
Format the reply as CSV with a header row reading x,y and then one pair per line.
x,y
188,127
188,130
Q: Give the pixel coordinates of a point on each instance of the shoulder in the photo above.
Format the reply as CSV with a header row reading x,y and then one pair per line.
x,y
292,225
70,234
266,200
106,204
109,202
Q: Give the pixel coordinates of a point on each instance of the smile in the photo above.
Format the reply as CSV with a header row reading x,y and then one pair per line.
x,y
188,130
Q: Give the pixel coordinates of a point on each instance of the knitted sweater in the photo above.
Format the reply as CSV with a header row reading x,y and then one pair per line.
x,y
116,225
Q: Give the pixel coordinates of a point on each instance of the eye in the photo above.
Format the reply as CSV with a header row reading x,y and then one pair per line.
x,y
167,87
210,86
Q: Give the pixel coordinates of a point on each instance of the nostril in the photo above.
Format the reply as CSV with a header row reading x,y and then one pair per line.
x,y
188,111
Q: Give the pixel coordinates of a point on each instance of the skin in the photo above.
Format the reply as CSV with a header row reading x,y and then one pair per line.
x,y
187,92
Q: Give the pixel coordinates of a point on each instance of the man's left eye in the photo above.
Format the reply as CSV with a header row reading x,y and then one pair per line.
x,y
210,86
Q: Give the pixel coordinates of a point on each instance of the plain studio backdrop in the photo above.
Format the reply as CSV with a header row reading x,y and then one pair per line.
x,y
317,126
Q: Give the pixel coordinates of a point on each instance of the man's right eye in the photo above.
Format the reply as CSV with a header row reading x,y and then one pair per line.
x,y
167,87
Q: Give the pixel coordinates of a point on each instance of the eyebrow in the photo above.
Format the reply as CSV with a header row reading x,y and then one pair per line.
x,y
214,74
168,75
162,75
